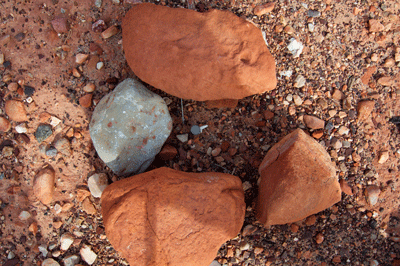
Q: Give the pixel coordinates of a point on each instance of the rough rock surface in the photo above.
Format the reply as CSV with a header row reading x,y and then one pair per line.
x,y
200,56
173,218
129,127
43,185
297,180
16,110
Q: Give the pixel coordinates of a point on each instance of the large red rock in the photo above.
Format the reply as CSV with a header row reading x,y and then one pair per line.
x,y
167,217
297,180
200,56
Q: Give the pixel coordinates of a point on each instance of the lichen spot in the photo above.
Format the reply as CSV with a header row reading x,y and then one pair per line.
x,y
145,140
109,124
133,129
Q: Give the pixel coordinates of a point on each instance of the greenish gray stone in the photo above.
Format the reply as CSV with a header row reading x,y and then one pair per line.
x,y
43,132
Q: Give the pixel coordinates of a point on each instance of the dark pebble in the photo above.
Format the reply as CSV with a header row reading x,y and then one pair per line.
x,y
313,13
329,126
43,132
373,223
1,176
20,36
352,114
23,138
11,262
7,64
29,91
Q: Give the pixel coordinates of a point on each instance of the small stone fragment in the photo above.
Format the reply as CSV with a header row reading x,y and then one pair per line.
x,y
297,100
375,26
343,130
60,25
111,31
313,122
346,189
7,151
383,157
183,137
76,73
263,9
88,207
19,37
66,241
33,228
54,121
90,87
86,100
16,111
80,58
295,47
51,152
389,62
319,238
88,255
98,3
313,13
24,215
368,74
311,220
99,26
43,185
5,125
338,95
99,65
50,262
300,81
364,109
168,152
43,132
386,81
97,183
13,86
71,260
1,58
63,146
372,194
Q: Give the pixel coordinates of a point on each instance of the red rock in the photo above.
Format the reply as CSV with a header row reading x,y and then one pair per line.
x,y
43,185
173,218
319,238
368,74
346,189
313,122
375,26
60,25
168,152
111,31
297,179
5,125
386,81
16,110
311,220
225,103
200,56
80,58
86,100
364,109
263,9
318,134
268,115
338,95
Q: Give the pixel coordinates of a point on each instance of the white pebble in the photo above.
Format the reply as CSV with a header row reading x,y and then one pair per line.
x,y
295,47
97,183
21,128
183,137
54,121
99,65
87,254
310,27
24,215
66,241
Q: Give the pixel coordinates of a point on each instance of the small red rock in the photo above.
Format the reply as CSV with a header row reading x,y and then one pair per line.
x,y
311,220
16,110
168,152
60,25
13,86
86,100
263,9
375,26
80,58
364,109
318,134
313,122
294,228
268,115
319,238
346,189
43,185
111,31
368,74
5,125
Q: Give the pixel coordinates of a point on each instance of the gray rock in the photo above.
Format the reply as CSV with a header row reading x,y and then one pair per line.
x,y
71,260
63,146
129,127
43,132
51,152
313,13
97,183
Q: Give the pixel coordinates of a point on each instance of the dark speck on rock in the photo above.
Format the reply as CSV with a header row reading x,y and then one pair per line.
x,y
313,13
43,132
29,91
20,36
7,64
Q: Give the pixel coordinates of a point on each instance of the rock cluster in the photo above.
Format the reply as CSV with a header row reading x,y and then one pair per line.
x,y
200,56
129,127
297,179
167,217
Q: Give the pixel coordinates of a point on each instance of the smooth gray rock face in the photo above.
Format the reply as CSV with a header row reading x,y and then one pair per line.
x,y
129,127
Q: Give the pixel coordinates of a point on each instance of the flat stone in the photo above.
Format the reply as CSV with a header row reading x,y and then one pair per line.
x,y
86,100
43,185
313,13
383,157
372,194
63,146
50,262
24,215
16,110
71,260
368,74
129,143
179,61
297,179
5,125
60,25
300,81
97,183
375,26
263,9
88,207
364,109
43,132
66,241
88,255
178,218
313,122
346,189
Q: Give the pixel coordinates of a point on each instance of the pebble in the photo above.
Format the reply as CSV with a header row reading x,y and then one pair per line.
x,y
311,27
7,151
216,152
88,207
56,254
43,250
5,125
16,111
24,215
289,97
372,194
346,189
13,86
313,13
375,26
20,36
374,57
63,146
295,47
60,25
71,260
51,152
264,9
29,91
76,73
21,128
364,109
80,58
297,100
319,238
90,87
1,58
87,254
43,185
97,183
66,241
343,130
99,26
389,62
50,262
99,65
86,100
383,157
300,81
111,31
54,121
313,122
43,132
98,3
338,95
386,81
183,137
